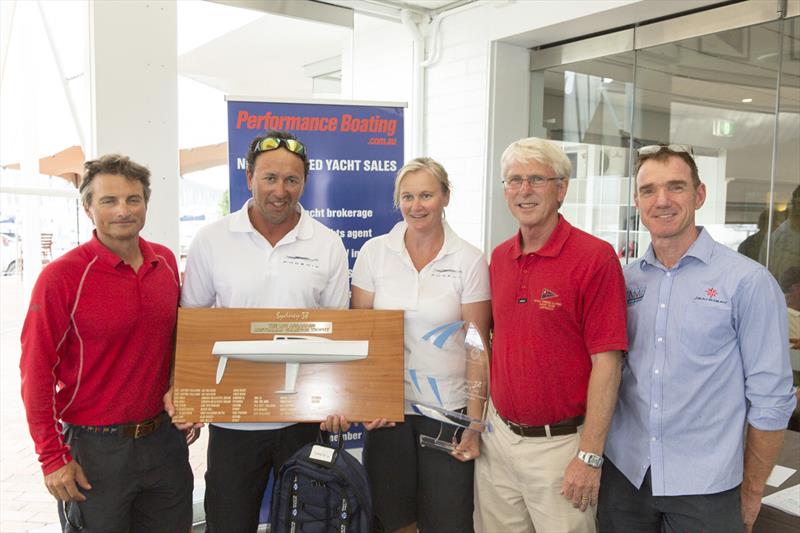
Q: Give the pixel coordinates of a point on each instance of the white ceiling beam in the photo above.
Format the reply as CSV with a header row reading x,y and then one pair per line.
x,y
324,12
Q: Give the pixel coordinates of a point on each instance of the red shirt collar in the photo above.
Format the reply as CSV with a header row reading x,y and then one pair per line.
x,y
112,259
554,244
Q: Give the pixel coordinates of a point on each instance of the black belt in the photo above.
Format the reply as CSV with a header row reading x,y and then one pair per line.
x,y
133,431
565,427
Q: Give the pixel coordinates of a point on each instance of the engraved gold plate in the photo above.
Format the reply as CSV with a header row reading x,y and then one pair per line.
x,y
269,328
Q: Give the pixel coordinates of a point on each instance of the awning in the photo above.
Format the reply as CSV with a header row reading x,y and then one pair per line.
x,y
68,164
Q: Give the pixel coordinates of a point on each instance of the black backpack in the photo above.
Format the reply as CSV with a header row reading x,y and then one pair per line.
x,y
321,489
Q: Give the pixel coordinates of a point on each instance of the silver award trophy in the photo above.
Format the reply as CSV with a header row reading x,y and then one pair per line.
x,y
476,380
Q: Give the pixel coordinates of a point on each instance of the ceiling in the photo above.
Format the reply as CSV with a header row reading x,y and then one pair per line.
x,y
255,58
430,7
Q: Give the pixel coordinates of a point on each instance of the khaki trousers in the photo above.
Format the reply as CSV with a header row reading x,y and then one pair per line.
x,y
518,480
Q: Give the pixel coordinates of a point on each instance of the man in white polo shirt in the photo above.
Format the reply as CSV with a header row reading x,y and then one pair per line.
x,y
270,253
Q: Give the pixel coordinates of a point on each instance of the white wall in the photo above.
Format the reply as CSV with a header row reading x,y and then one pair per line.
x,y
381,60
460,102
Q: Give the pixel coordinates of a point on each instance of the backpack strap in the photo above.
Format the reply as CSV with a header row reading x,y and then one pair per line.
x,y
294,505
344,516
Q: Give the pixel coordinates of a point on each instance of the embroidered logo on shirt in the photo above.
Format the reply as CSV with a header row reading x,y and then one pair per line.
x,y
547,294
308,262
546,302
711,295
634,294
446,273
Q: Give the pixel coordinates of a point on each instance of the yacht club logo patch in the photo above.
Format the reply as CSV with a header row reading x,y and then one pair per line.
x,y
547,300
634,294
711,295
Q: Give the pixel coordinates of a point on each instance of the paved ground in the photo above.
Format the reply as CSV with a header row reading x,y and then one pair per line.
x,y
25,504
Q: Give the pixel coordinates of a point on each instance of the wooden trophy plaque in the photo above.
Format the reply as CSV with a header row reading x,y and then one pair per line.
x,y
226,372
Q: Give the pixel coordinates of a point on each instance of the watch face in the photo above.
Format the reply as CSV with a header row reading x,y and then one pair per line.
x,y
591,459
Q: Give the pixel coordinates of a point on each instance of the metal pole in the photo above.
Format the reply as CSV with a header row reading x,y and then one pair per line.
x,y
64,83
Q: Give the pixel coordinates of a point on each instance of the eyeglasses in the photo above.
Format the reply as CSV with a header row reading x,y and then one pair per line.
x,y
536,182
273,143
656,148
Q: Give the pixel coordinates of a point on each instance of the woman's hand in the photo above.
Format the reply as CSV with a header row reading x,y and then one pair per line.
x,y
470,446
378,423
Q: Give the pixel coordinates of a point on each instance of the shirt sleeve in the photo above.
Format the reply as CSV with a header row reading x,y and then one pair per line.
x,y
476,282
604,308
363,277
762,332
198,283
336,294
46,327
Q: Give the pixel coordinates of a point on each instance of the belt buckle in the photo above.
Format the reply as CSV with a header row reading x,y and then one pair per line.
x,y
144,429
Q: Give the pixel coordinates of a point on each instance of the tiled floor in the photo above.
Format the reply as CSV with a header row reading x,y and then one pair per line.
x,y
25,504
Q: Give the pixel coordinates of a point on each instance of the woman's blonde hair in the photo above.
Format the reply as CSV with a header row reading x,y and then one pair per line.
x,y
415,165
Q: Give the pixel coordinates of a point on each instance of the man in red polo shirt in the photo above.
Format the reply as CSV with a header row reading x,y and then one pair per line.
x,y
96,354
558,302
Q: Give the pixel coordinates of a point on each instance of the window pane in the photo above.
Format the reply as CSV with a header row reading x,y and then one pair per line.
x,y
784,243
588,106
716,93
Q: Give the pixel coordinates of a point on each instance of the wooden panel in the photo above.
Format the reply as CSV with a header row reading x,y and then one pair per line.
x,y
361,390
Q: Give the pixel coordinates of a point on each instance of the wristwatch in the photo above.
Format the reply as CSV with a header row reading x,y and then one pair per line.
x,y
591,459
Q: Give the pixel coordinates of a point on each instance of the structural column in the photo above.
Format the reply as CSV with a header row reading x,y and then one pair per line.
x,y
134,99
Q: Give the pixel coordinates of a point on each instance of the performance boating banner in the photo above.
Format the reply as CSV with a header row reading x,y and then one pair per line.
x,y
354,151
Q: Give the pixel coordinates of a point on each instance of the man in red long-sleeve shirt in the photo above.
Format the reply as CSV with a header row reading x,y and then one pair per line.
x,y
96,354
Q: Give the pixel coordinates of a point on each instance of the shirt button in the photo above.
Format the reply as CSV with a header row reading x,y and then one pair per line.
x,y
655,406
669,274
660,339
654,439
662,306
656,371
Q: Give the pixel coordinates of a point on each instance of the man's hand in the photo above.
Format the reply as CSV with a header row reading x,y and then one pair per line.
x,y
761,450
751,505
191,434
581,484
62,483
470,446
335,423
187,427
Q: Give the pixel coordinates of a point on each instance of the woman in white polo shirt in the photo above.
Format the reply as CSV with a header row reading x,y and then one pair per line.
x,y
422,267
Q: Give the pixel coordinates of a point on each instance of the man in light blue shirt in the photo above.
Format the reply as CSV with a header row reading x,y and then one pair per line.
x,y
708,357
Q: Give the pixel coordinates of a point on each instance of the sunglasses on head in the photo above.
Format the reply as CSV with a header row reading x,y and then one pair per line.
x,y
273,143
656,148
